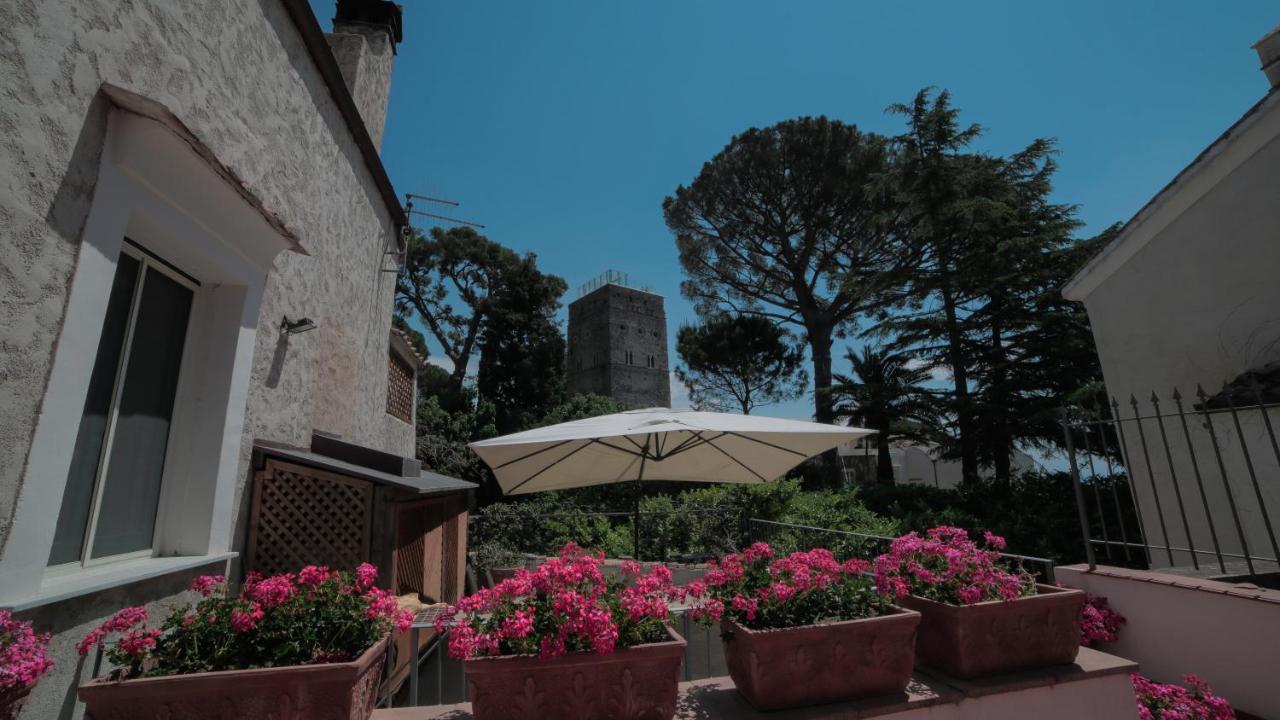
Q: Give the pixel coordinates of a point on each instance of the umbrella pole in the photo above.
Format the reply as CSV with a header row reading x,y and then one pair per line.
x,y
635,521
635,524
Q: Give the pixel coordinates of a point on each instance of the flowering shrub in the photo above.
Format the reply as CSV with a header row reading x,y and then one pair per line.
x,y
947,566
563,606
1098,622
1157,701
803,588
317,615
23,654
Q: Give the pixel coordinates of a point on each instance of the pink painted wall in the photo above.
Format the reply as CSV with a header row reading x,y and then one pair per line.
x,y
1228,634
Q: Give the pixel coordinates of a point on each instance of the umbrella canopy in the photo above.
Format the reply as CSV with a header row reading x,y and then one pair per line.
x,y
656,444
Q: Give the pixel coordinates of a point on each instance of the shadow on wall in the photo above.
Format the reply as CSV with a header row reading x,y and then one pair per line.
x,y
70,207
72,619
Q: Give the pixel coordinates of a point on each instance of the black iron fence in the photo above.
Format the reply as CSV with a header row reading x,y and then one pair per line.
x,y
1171,482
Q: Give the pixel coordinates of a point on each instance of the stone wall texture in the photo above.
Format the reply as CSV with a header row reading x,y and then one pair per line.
x,y
238,74
618,346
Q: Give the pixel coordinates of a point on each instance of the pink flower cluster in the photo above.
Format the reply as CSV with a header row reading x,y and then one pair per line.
x,y
1158,701
947,566
344,613
123,622
24,655
1098,622
561,606
793,590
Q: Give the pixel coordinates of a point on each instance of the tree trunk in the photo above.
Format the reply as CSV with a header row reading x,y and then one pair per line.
x,y
1001,443
960,376
820,342
884,463
820,347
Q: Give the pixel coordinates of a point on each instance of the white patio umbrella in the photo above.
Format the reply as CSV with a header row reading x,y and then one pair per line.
x,y
656,444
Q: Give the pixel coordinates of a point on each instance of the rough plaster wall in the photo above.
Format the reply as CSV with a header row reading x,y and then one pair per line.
x,y
276,127
69,621
365,55
1200,304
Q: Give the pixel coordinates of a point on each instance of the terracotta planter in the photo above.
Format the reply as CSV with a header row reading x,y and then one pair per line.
x,y
814,664
336,691
637,683
996,637
12,700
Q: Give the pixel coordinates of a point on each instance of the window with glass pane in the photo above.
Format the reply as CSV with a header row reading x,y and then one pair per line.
x,y
113,485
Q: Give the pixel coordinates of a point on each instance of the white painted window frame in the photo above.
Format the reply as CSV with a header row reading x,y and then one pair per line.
x,y
156,189
146,261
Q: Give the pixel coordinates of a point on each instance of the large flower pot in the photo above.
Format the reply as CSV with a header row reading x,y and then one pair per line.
x,y
333,691
814,664
993,637
12,700
636,683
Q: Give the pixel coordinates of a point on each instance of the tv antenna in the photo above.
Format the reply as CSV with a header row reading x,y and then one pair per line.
x,y
408,209
403,247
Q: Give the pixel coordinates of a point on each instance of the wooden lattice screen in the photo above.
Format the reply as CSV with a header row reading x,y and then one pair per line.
x,y
411,525
306,516
399,388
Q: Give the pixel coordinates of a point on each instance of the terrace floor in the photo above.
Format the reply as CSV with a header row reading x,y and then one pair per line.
x,y
1096,686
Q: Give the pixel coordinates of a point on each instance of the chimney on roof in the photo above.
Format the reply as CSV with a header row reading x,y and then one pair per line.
x,y
1269,53
364,38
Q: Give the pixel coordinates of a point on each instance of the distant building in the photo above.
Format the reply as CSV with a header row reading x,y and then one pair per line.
x,y
915,464
618,343
1188,295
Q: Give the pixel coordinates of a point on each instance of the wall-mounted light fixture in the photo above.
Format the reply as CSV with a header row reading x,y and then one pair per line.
x,y
298,326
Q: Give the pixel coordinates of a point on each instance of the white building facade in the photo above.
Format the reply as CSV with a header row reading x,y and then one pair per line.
x,y
1188,295
189,187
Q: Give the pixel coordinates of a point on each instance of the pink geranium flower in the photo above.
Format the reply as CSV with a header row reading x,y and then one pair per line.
x,y
758,590
564,605
313,616
947,566
24,656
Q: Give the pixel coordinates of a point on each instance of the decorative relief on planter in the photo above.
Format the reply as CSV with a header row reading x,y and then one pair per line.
x,y
816,664
637,683
335,691
996,636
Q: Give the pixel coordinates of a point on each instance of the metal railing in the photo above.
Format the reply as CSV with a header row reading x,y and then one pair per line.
x,y
1162,484
846,544
685,534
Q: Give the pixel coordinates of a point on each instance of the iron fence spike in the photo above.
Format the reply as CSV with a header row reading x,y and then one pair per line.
x,y
1177,396
1155,399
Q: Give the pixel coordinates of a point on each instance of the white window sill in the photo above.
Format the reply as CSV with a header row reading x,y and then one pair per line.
x,y
56,588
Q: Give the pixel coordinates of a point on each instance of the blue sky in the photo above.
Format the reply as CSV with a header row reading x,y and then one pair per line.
x,y
562,124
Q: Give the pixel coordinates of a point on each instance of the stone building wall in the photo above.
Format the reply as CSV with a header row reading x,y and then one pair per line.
x,y
618,346
237,73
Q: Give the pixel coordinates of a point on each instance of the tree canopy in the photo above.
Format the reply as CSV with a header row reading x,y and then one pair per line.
x,y
984,301
796,223
522,350
739,362
885,393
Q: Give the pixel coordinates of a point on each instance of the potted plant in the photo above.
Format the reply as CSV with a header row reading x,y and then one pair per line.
x,y
1197,701
805,629
980,617
24,659
561,641
308,645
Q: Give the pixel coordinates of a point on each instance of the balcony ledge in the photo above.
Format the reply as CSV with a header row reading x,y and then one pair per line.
x,y
1095,686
